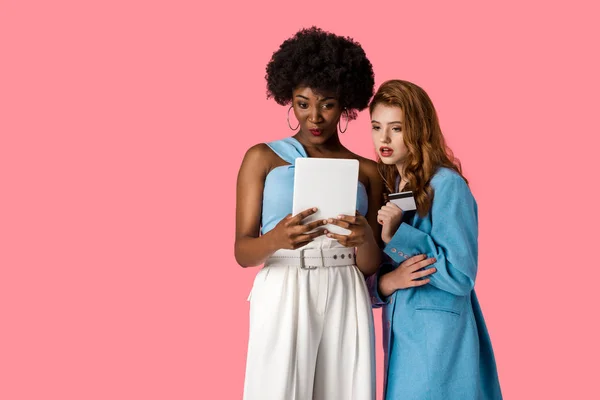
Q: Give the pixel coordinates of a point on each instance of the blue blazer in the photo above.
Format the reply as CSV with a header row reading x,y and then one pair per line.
x,y
435,340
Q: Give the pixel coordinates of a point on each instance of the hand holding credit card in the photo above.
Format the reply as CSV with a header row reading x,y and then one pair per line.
x,y
404,200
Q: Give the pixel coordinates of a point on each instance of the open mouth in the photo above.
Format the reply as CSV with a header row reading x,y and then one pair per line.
x,y
385,151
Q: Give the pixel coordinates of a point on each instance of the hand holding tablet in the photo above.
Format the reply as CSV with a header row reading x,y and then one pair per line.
x,y
330,185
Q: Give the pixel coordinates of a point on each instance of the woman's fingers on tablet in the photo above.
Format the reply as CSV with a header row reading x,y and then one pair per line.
x,y
315,224
301,215
338,222
309,237
347,218
343,239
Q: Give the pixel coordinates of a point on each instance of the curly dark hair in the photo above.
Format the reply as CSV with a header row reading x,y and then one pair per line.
x,y
322,61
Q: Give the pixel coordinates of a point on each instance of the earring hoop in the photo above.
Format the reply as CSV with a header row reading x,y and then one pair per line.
x,y
288,119
340,125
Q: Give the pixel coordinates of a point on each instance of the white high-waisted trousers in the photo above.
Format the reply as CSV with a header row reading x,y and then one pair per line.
x,y
311,327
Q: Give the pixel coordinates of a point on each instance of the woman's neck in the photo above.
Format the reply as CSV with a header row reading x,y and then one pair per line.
x,y
402,181
332,145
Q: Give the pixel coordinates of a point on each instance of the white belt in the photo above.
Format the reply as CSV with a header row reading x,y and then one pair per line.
x,y
313,258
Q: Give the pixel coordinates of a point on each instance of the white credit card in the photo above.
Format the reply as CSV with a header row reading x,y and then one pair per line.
x,y
404,200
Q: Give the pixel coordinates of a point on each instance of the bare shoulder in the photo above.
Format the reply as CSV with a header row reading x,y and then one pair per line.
x,y
368,173
258,158
257,152
369,167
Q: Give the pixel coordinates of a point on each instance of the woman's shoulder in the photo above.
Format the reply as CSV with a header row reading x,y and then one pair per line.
x,y
259,149
369,166
366,165
257,154
450,182
368,169
445,175
259,157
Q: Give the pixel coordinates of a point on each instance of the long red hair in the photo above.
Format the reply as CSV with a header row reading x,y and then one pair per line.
x,y
423,138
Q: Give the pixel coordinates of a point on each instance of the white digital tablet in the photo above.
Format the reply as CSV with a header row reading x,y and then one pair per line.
x,y
330,185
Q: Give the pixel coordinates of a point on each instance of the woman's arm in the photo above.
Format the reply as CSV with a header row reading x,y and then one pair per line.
x,y
251,249
368,255
453,238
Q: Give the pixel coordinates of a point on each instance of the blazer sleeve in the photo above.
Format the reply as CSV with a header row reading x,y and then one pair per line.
x,y
453,238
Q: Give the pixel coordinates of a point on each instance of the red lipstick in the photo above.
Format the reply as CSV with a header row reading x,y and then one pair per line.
x,y
385,151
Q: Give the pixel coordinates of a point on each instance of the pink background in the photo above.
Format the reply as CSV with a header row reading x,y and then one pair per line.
x,y
123,125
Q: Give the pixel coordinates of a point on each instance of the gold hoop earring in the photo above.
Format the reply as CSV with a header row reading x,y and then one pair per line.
x,y
288,119
340,125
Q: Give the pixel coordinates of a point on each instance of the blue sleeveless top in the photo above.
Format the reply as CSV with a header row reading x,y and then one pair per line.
x,y
279,185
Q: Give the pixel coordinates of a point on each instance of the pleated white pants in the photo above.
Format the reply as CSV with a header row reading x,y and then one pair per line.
x,y
311,331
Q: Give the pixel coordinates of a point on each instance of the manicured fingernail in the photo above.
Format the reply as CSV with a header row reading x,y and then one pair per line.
x,y
314,208
330,220
324,221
